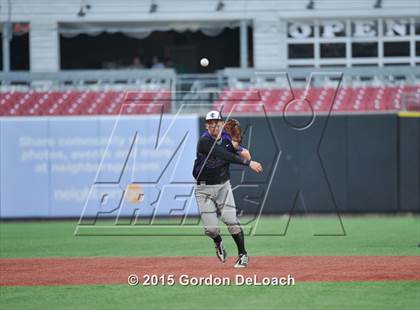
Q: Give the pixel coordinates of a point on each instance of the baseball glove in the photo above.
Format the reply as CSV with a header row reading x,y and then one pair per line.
x,y
233,128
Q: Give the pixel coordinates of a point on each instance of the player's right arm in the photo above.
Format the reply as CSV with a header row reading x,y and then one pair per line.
x,y
245,154
241,151
254,165
205,146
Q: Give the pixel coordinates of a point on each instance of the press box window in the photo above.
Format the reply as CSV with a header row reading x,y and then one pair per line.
x,y
333,29
365,49
364,28
300,30
333,50
398,64
417,27
396,27
395,49
365,65
301,51
332,66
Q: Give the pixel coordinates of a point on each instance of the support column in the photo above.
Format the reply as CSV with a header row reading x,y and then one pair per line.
x,y
44,47
244,44
7,36
267,44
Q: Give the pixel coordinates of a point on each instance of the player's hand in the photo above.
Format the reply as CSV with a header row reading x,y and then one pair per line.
x,y
256,166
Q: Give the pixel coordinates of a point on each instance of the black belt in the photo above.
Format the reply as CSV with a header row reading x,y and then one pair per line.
x,y
210,182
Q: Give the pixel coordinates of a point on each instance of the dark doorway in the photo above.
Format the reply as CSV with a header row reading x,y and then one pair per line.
x,y
182,51
19,52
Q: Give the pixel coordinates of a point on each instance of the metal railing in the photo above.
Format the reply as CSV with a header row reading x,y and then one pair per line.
x,y
411,101
203,89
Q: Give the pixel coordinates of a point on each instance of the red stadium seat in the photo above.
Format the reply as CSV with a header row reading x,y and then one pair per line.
x,y
250,100
88,102
347,99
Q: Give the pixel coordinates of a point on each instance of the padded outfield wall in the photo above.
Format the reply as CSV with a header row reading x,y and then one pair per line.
x,y
368,163
56,167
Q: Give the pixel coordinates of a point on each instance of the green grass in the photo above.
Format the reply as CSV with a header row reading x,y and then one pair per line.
x,y
371,235
345,295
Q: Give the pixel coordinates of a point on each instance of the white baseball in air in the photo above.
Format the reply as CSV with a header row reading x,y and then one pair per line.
x,y
204,62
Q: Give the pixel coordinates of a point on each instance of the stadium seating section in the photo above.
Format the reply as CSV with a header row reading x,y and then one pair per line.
x,y
360,99
89,102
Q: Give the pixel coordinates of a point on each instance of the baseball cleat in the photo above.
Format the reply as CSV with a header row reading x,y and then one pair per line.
x,y
221,252
242,261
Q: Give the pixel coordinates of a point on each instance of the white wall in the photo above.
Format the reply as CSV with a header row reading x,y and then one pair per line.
x,y
44,15
44,46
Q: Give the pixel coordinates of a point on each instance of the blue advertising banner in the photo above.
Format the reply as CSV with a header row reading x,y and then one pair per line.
x,y
83,166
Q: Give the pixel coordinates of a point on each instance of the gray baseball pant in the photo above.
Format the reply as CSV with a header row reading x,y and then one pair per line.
x,y
213,198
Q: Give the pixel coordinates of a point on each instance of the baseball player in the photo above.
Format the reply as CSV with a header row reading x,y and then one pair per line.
x,y
215,151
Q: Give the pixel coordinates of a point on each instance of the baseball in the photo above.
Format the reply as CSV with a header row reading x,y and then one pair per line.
x,y
204,62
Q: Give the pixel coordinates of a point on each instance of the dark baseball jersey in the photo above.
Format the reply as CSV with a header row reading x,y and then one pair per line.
x,y
214,168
